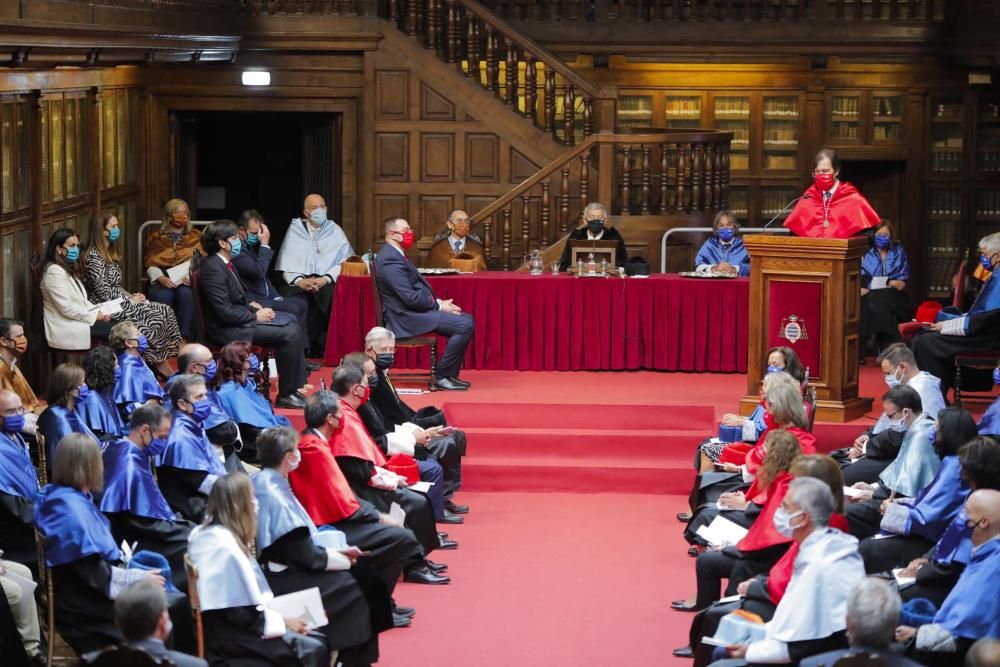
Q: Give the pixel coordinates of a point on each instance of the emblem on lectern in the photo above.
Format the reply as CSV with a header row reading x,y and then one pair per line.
x,y
793,329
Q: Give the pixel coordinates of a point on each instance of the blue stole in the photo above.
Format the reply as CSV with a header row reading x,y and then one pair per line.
x,y
73,526
714,251
279,511
55,423
896,265
128,482
757,417
246,406
18,476
938,503
98,411
988,299
989,423
188,447
137,384
916,464
955,544
972,609
215,417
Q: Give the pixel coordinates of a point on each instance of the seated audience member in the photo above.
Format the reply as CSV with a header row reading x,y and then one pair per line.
x,y
222,431
879,445
754,510
724,251
411,309
137,383
133,502
403,439
239,396
189,466
23,609
989,423
229,316
253,263
972,609
13,345
327,497
885,271
311,253
811,617
87,567
18,484
171,246
295,556
593,227
978,329
105,279
916,524
65,390
97,407
872,617
912,470
364,465
239,626
141,615
71,320
455,240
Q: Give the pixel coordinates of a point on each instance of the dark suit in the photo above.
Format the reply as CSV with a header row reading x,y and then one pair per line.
x,y
829,658
251,266
580,234
155,648
411,309
227,317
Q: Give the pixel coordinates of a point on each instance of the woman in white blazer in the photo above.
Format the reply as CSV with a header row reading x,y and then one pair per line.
x,y
69,315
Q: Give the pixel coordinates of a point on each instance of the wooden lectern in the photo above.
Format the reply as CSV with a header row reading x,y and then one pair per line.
x,y
805,293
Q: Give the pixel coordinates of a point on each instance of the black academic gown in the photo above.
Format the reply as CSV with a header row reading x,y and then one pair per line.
x,y
610,234
881,450
233,639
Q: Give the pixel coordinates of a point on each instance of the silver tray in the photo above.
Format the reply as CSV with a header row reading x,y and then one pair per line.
x,y
696,274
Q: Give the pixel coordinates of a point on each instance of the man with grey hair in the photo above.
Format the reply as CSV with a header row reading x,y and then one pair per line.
x,y
594,227
872,616
978,329
455,240
812,615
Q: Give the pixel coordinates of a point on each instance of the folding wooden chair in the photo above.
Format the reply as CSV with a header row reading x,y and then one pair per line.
x,y
195,601
48,622
43,467
987,359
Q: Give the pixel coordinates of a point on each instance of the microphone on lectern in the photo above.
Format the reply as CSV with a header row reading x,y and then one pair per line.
x,y
783,209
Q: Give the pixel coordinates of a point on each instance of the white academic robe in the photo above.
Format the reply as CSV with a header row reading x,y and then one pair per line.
x,y
929,388
306,251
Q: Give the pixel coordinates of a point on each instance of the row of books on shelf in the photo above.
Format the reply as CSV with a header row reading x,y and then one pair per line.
x,y
988,202
945,237
683,106
732,106
951,161
775,200
844,130
989,161
780,162
844,106
949,111
778,107
946,202
885,132
940,272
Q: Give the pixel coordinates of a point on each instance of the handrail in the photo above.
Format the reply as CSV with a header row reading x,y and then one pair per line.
x,y
743,230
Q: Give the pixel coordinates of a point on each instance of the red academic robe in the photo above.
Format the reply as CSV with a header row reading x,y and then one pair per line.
x,y
354,440
849,213
781,573
762,533
740,453
319,484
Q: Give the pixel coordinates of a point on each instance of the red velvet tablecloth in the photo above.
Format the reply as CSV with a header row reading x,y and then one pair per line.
x,y
524,322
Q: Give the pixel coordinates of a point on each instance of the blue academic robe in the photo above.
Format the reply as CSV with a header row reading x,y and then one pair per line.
x,y
714,251
137,384
218,414
128,481
987,300
57,421
18,476
73,526
938,503
98,411
972,609
955,544
188,447
895,266
246,406
989,423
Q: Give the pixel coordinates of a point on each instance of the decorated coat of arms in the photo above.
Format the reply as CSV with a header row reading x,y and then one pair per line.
x,y
793,329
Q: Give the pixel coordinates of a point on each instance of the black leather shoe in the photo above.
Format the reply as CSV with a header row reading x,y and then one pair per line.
x,y
400,621
423,575
442,535
682,605
447,544
408,612
437,568
693,552
313,366
450,518
683,652
684,517
290,401
447,384
461,383
456,509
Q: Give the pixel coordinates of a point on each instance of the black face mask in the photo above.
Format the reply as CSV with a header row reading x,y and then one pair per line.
x,y
595,226
384,360
373,380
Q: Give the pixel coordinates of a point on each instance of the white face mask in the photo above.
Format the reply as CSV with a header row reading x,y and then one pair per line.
x,y
294,463
898,425
895,378
318,216
783,521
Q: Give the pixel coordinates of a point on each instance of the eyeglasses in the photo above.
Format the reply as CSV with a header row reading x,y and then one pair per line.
x,y
893,415
972,523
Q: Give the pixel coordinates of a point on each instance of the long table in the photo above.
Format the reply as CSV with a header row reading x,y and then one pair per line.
x,y
533,323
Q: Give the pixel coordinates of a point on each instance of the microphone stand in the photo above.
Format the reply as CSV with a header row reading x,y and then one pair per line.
x,y
783,209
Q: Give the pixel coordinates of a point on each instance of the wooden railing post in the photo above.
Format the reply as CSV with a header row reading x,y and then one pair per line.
x,y
505,248
625,179
530,88
569,116
525,224
585,180
545,233
550,102
488,239
564,202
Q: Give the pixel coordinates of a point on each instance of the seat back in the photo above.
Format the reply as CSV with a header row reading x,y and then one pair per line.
x,y
195,601
805,383
811,401
961,284
48,621
376,296
199,315
126,656
43,460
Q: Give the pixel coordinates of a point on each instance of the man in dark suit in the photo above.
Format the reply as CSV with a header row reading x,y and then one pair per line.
x,y
141,615
253,263
229,315
411,309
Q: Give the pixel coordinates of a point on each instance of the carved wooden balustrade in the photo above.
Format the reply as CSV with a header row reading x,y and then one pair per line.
x,y
651,173
528,79
305,7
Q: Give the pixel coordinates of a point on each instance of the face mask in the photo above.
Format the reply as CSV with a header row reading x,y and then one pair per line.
x,y
235,247
211,368
82,392
73,254
143,343
774,369
254,363
894,379
202,409
383,361
726,234
364,397
783,521
294,463
407,240
20,344
882,241
595,226
898,425
13,423
996,375
987,262
824,181
118,373
114,233
156,446
372,380
252,239
318,216
769,421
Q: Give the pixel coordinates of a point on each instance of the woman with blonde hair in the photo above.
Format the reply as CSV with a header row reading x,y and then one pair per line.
x,y
239,627
66,389
105,281
172,245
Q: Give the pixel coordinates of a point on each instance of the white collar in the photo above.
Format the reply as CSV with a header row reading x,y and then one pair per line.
x,y
591,237
452,240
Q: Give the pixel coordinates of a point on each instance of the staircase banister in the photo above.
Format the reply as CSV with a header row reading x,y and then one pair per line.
x,y
664,136
540,53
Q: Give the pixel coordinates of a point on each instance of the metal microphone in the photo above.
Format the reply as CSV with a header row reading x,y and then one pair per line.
x,y
783,209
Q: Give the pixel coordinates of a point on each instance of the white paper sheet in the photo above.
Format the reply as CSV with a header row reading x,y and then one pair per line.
x,y
306,605
112,307
851,492
879,282
396,512
903,581
722,532
422,487
179,272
